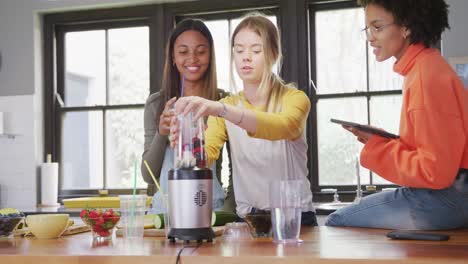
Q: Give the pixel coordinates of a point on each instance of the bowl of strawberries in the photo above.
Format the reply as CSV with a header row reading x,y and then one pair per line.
x,y
101,221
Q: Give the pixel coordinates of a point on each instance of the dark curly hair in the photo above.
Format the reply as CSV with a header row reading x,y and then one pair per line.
x,y
426,19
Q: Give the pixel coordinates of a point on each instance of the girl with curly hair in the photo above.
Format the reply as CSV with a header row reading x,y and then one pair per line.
x,y
430,159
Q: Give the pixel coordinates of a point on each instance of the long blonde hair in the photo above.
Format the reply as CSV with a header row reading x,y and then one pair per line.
x,y
271,85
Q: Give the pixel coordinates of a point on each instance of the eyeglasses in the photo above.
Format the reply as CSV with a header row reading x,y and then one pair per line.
x,y
373,30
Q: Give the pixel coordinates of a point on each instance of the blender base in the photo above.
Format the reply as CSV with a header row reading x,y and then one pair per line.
x,y
188,234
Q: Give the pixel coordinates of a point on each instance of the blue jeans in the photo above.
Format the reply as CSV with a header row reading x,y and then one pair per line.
x,y
409,208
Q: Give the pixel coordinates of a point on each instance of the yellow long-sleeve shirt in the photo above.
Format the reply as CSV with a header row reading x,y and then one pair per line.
x,y
288,124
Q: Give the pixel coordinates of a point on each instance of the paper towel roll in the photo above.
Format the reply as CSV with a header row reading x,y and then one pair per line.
x,y
49,184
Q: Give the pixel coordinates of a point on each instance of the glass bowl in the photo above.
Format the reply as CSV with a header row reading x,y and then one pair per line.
x,y
259,223
101,222
236,232
8,224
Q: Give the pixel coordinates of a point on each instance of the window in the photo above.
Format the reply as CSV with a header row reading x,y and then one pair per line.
x,y
350,85
106,85
99,69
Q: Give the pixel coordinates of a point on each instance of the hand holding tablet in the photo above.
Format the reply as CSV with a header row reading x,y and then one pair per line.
x,y
366,128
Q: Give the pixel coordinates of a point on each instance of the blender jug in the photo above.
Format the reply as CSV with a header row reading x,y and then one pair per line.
x,y
190,185
190,148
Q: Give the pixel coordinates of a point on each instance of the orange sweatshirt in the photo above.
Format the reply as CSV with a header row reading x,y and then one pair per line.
x,y
433,142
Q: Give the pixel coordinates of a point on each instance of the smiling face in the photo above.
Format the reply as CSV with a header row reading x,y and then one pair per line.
x,y
248,56
387,38
191,55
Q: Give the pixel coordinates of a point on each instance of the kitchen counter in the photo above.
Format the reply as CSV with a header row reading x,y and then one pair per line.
x,y
321,245
321,209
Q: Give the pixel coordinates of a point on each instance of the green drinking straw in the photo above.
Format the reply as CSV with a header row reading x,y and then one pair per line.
x,y
132,212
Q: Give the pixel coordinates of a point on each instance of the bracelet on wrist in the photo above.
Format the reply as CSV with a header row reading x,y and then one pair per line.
x,y
223,112
241,119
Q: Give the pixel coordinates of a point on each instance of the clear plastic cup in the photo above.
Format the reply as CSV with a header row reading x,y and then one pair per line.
x,y
132,211
285,202
190,147
167,221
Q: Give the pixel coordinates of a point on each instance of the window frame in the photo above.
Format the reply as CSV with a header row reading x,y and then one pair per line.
x,y
313,7
292,23
55,27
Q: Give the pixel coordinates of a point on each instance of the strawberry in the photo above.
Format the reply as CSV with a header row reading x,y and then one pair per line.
x,y
108,215
196,150
97,228
104,233
99,212
100,221
108,224
93,214
83,213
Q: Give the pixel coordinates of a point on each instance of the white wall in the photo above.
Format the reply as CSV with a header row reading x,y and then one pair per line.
x,y
455,41
17,156
21,91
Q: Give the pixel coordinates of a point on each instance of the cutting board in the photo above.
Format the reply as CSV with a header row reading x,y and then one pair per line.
x,y
151,232
71,230
76,229
96,202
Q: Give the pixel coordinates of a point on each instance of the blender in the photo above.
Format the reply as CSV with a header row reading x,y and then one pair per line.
x,y
190,185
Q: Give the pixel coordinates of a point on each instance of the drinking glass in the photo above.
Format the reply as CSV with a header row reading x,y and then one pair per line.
x,y
285,204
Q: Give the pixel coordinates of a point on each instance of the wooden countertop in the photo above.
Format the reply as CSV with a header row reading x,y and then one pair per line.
x,y
321,245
